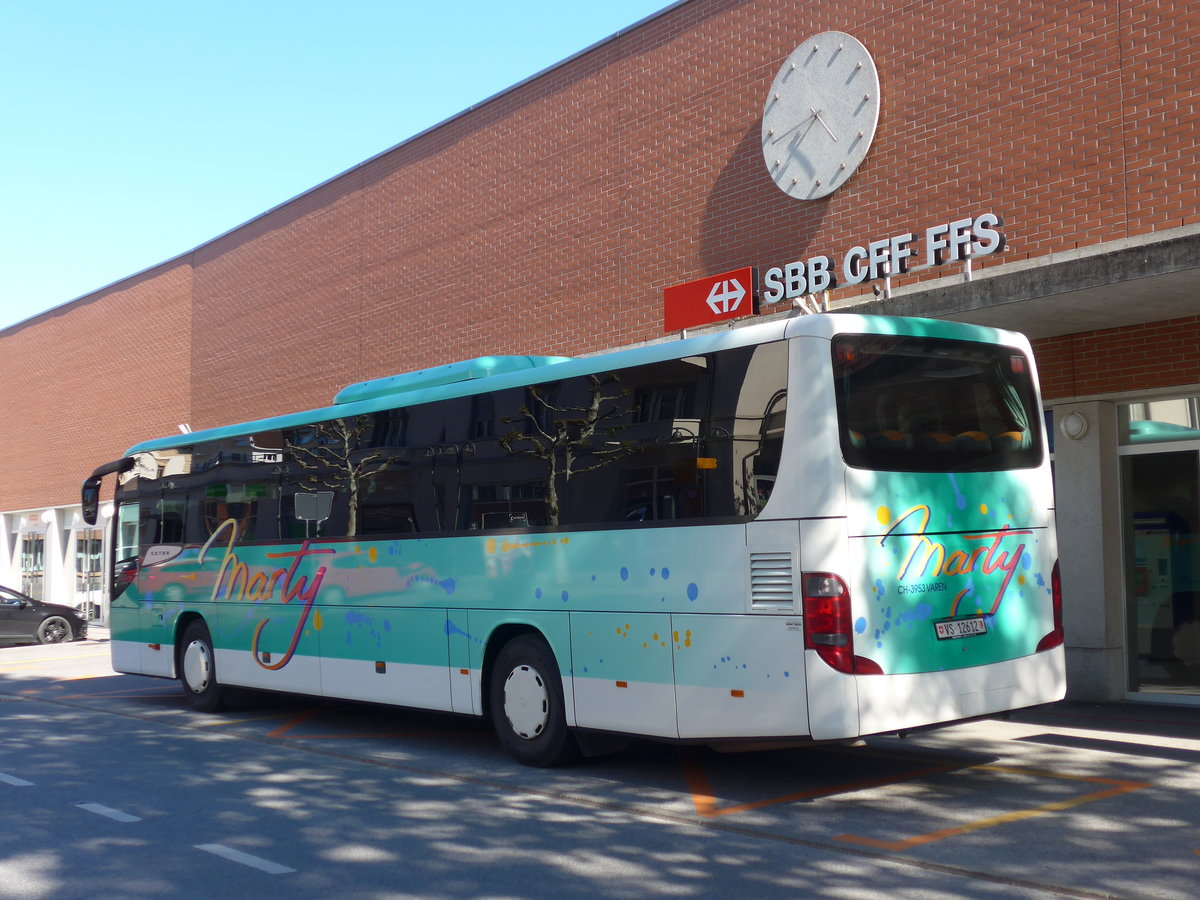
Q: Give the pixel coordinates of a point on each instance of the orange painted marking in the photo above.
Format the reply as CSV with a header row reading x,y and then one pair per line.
x,y
1117,788
622,684
295,722
707,805
127,692
284,730
373,734
42,660
221,723
736,693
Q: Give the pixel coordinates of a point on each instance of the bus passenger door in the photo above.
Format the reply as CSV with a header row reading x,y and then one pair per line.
x,y
156,645
123,617
162,595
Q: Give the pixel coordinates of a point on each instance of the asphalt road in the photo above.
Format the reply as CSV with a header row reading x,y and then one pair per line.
x,y
111,787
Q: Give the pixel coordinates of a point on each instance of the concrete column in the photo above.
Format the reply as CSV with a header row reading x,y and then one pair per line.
x,y
56,587
1087,488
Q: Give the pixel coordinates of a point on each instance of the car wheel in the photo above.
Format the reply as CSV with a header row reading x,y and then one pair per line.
x,y
54,630
526,701
197,667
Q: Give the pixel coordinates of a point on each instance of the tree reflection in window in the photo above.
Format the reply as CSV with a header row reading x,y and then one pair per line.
x,y
337,454
571,439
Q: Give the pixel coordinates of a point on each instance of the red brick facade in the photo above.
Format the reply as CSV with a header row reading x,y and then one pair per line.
x,y
81,380
550,219
1140,357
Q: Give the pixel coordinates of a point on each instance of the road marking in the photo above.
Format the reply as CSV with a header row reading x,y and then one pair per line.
x,y
237,856
15,781
1118,787
221,723
706,804
108,812
133,693
42,660
296,721
283,732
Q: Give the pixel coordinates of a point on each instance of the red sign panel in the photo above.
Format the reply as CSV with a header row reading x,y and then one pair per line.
x,y
716,298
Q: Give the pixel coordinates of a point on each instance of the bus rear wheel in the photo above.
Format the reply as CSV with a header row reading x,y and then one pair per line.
x,y
198,669
526,702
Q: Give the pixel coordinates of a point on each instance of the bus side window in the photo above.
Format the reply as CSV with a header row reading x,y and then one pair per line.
x,y
171,531
770,449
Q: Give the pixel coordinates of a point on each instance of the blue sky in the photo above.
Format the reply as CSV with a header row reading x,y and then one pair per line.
x,y
134,130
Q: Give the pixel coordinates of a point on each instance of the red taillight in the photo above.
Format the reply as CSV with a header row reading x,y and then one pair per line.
x,y
827,625
1055,637
124,576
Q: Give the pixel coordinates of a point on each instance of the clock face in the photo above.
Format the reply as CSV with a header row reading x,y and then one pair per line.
x,y
820,115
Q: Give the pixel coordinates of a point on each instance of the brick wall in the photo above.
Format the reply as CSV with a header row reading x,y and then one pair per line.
x,y
83,383
1142,357
550,219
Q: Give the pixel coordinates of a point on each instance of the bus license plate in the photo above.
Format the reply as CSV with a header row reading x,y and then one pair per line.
x,y
960,628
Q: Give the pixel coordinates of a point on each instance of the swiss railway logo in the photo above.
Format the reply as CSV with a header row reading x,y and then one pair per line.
x,y
726,296
716,298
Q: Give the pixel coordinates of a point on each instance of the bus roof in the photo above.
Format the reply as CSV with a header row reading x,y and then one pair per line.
x,y
491,373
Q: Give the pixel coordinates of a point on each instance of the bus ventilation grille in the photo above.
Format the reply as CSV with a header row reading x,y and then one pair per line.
x,y
772,585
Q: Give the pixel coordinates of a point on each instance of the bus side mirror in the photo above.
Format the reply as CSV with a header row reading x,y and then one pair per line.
x,y
91,499
91,486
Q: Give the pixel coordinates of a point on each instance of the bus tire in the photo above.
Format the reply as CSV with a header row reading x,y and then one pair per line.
x,y
198,669
526,702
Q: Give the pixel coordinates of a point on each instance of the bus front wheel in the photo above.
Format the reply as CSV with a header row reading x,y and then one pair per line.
x,y
526,701
198,669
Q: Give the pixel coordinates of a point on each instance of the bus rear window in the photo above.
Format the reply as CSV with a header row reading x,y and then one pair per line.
x,y
911,404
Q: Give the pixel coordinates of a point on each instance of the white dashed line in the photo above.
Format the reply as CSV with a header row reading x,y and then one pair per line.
x,y
107,811
255,862
15,781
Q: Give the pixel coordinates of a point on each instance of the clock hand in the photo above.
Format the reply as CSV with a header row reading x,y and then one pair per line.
x,y
817,115
807,121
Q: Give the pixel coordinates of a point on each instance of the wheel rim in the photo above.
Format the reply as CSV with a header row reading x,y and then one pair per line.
x,y
197,666
54,631
526,702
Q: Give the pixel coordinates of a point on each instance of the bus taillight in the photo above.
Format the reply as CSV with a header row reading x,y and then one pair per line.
x,y
827,624
1055,637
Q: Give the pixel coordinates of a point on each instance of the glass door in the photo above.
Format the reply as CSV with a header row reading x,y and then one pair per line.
x,y
1160,481
89,562
33,564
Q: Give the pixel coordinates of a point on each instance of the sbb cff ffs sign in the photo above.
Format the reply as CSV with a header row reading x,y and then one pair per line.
x,y
716,298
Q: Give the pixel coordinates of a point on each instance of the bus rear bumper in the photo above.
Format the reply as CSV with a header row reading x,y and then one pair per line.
x,y
889,703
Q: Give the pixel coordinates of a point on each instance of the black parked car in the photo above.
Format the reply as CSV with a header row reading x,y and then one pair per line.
x,y
24,619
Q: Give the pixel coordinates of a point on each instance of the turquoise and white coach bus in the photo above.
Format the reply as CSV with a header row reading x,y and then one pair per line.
x,y
812,529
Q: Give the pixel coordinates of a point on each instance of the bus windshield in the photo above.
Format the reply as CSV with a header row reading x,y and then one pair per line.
x,y
914,404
